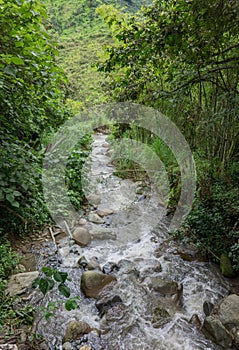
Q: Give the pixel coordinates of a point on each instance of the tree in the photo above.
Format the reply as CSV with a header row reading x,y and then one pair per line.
x,y
182,54
31,104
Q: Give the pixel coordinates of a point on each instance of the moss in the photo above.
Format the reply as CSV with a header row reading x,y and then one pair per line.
x,y
226,266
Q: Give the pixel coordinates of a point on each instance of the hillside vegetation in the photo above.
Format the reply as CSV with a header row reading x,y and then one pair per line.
x,y
82,35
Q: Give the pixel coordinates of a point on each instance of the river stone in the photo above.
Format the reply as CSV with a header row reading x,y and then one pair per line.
x,y
95,218
207,307
196,321
93,199
222,326
86,347
82,221
102,233
160,317
82,236
214,330
67,346
105,212
165,287
75,330
18,283
93,282
107,300
90,264
226,266
229,311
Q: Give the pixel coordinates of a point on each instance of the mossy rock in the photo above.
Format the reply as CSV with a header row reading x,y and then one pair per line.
x,y
226,266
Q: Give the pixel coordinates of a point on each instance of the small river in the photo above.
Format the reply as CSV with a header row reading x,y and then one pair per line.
x,y
133,244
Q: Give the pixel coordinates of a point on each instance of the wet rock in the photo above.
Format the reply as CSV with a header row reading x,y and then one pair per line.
x,y
67,346
207,307
102,234
75,330
82,221
110,267
95,218
105,212
93,199
86,347
106,301
214,330
82,236
90,264
166,288
195,320
18,283
160,317
222,326
93,282
226,266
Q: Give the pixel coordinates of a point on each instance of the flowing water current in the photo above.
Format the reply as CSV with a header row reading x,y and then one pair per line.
x,y
134,245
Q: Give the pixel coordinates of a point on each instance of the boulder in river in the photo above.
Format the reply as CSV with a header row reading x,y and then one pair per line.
x,y
94,199
92,283
166,288
75,330
222,326
82,236
106,300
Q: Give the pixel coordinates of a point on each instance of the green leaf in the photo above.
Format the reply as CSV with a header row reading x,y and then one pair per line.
x,y
17,60
35,283
64,290
48,271
71,304
45,285
60,276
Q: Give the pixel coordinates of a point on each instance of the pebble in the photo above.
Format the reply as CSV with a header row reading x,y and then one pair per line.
x,y
67,346
95,218
82,222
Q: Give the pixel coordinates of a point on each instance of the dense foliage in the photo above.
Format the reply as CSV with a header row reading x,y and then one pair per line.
x,y
182,57
12,315
82,34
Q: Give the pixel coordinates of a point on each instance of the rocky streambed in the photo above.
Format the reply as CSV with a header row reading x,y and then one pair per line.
x,y
138,288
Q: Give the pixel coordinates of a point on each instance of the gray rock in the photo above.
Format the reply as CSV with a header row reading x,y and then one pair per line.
x,y
105,212
195,320
67,346
82,221
93,282
95,218
166,287
90,264
160,317
229,314
82,236
214,330
18,283
106,300
75,330
93,199
207,307
102,233
222,326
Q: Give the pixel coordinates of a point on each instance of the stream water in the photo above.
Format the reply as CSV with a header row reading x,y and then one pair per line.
x,y
134,243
